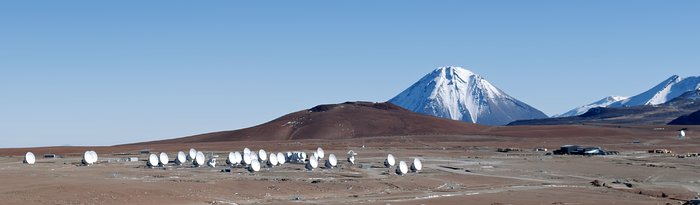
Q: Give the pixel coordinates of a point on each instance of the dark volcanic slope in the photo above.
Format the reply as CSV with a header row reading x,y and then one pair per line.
x,y
336,121
649,115
692,119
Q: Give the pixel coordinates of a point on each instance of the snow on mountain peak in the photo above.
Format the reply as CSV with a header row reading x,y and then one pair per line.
x,y
665,91
460,94
600,103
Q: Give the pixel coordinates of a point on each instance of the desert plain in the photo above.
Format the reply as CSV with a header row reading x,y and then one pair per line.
x,y
457,169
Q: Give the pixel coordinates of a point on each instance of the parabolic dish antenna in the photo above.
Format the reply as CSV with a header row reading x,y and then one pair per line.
x,y
247,159
332,161
681,134
88,158
164,159
262,155
237,157
272,160
181,158
417,165
254,166
313,162
246,151
199,159
192,154
390,161
29,158
231,158
303,156
152,160
402,169
320,153
281,159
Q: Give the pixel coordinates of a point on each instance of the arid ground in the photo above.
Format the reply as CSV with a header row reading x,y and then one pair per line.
x,y
458,169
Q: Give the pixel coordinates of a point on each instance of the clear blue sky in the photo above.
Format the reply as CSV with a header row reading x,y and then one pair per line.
x,y
131,71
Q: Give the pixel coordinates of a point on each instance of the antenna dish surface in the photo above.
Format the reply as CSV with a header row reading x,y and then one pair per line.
x,y
181,158
29,158
164,159
320,153
199,159
402,169
192,154
273,159
417,165
246,151
332,161
262,155
281,159
152,160
88,158
390,161
247,159
255,166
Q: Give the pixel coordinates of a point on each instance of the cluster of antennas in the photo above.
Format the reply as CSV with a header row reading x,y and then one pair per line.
x,y
403,168
252,161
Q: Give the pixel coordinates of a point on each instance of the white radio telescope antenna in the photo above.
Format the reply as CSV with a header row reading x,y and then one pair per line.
x,y
246,151
88,158
681,134
281,159
262,155
402,169
152,160
417,165
199,159
254,166
181,158
29,158
192,154
231,158
237,157
320,152
312,164
164,159
332,161
390,161
247,159
272,160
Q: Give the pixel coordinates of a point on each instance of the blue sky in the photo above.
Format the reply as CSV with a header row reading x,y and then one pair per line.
x,y
127,71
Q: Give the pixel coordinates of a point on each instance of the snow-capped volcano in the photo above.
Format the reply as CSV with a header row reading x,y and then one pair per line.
x,y
600,103
459,94
663,92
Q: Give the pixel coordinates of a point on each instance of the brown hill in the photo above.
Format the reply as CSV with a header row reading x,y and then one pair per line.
x,y
340,121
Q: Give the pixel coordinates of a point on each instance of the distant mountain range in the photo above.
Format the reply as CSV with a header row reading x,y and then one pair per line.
x,y
660,114
665,91
459,94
